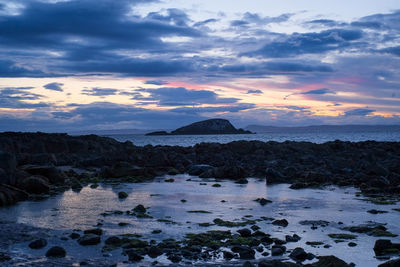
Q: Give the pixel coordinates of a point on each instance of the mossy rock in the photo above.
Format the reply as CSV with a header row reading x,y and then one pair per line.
x,y
342,236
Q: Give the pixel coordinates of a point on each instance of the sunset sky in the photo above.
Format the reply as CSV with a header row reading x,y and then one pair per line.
x,y
107,64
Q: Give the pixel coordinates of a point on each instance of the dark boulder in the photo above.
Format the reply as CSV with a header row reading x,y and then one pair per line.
x,y
53,175
7,162
298,254
113,240
95,231
274,176
330,261
276,263
56,252
35,184
247,253
391,263
154,252
244,232
277,250
89,240
38,243
282,222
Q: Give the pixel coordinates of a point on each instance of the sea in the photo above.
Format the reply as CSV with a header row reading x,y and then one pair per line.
x,y
311,136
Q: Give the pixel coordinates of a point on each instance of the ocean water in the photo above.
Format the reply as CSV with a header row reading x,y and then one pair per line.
x,y
339,206
315,137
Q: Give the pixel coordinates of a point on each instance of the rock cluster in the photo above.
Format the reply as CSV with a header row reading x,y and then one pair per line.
x,y
29,163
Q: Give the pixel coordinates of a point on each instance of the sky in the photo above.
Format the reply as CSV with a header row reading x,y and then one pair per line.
x,y
69,65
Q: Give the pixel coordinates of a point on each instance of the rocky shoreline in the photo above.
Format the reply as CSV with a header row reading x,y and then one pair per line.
x,y
35,165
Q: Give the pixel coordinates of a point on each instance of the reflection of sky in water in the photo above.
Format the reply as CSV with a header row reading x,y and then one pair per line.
x,y
82,210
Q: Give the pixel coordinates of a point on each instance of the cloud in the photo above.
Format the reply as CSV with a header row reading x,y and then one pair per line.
x,y
204,22
180,96
326,22
308,43
15,97
321,91
395,50
359,112
223,109
254,92
11,69
54,86
156,82
96,91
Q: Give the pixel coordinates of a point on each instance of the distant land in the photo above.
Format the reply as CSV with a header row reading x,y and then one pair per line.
x,y
211,126
258,129
323,128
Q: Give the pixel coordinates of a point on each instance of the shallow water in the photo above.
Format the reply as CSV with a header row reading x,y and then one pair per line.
x,y
315,137
73,210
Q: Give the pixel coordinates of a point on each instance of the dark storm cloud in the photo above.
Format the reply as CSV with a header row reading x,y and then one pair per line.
x,y
11,69
308,43
395,50
359,112
272,67
199,110
180,96
96,91
54,86
254,92
156,82
321,91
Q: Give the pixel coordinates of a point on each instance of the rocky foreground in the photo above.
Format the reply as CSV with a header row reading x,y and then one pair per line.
x,y
37,164
30,163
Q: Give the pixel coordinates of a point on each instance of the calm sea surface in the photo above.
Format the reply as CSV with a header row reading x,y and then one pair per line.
x,y
315,137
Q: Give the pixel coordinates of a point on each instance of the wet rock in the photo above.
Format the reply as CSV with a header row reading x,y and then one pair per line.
x,y
38,243
274,176
154,252
196,170
298,254
124,169
74,235
277,250
75,184
244,232
391,263
385,246
140,209
89,240
175,258
95,231
242,181
56,252
228,255
170,180
122,195
113,240
133,256
7,162
247,253
292,238
282,222
52,174
330,261
247,264
263,201
352,244
35,184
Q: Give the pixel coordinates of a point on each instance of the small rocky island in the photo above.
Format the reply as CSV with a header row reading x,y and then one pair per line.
x,y
212,126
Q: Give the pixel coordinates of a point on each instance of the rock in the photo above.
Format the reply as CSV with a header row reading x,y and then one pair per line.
x,y
246,253
95,231
293,238
228,255
124,169
35,184
197,170
175,258
247,264
274,176
113,240
89,240
133,256
263,201
391,263
122,195
140,209
75,184
277,250
352,244
56,252
170,180
38,243
282,222
7,162
385,246
242,181
4,257
298,254
154,252
244,232
51,173
74,235
329,261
